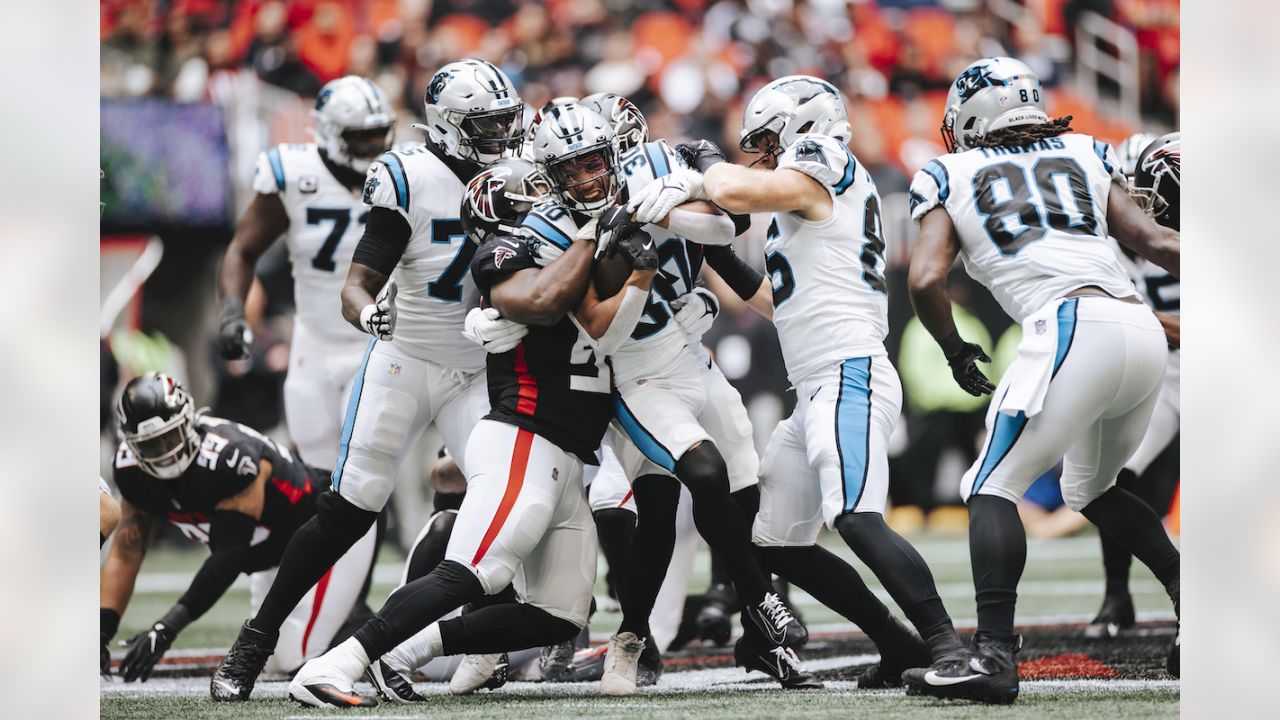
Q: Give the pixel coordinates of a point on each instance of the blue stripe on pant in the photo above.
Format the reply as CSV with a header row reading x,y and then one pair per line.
x,y
853,428
645,441
349,422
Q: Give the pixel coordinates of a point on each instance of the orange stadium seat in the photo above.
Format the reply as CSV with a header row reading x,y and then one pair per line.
x,y
467,30
933,31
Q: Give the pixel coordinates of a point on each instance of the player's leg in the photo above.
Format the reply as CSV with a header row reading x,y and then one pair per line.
x,y
1117,610
669,605
848,422
511,496
660,417
613,510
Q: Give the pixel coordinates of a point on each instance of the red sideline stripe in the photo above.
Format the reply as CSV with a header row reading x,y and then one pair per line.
x,y
528,393
315,608
515,481
625,498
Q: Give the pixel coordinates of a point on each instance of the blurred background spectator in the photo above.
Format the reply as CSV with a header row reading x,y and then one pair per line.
x,y
192,90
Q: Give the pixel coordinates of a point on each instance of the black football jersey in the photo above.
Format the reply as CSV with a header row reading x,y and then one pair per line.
x,y
554,383
226,464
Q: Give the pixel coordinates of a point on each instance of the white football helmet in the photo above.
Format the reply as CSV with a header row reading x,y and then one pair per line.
x,y
474,112
532,130
991,94
355,122
1128,152
576,150
792,106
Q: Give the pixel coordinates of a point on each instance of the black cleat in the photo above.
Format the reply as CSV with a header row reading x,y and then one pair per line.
x,y
390,684
649,669
776,621
556,662
905,652
234,679
988,674
777,661
1116,614
1174,663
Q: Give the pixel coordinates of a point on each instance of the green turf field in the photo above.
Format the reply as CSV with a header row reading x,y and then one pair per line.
x,y
1062,585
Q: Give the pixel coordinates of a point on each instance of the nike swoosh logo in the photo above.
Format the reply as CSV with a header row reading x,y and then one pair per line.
x,y
647,245
933,678
226,686
815,394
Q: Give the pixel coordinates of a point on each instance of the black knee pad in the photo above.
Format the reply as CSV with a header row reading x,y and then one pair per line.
x,y
703,470
341,520
447,501
748,498
614,521
429,550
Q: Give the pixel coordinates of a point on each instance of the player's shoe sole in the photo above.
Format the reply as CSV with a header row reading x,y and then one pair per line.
x,y
391,685
324,695
778,662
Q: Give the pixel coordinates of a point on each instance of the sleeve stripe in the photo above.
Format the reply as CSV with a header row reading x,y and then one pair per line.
x,y
658,171
916,199
396,170
847,180
1100,148
547,231
939,173
277,167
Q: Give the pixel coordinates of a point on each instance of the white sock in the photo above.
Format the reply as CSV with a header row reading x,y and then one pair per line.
x,y
417,651
349,658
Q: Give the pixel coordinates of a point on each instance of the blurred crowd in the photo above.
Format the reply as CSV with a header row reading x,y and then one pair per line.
x,y
689,65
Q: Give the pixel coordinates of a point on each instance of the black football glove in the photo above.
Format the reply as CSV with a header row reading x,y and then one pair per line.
x,y
700,154
147,647
638,248
234,335
963,358
613,225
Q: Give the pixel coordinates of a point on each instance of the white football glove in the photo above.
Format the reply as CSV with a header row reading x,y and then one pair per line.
x,y
379,318
696,311
655,200
496,334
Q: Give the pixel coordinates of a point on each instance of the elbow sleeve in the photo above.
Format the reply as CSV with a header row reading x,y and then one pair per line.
x,y
743,279
386,234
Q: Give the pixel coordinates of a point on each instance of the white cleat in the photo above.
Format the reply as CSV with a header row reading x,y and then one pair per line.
x,y
621,664
479,671
329,680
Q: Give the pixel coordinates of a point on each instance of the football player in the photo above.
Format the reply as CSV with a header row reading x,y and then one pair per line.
x,y
1154,185
828,460
108,512
226,485
524,517
310,195
664,408
415,371
1028,206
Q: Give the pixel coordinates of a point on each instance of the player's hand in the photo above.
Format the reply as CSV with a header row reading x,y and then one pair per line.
x,y
700,155
496,334
145,650
655,200
614,224
964,368
379,318
696,311
234,335
639,249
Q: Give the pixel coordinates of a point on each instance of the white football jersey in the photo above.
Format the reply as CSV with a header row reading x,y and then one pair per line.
x,y
1032,220
326,220
657,339
829,297
434,279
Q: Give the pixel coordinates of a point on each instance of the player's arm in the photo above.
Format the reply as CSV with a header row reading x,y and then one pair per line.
x,y
611,321
1172,325
120,572
701,222
108,517
745,281
934,253
740,189
230,535
541,296
386,235
1132,228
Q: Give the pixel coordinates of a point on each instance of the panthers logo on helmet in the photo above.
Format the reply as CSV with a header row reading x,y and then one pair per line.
x,y
437,85
481,189
973,80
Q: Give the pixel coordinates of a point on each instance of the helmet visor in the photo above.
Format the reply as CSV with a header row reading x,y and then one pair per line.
x,y
586,177
495,132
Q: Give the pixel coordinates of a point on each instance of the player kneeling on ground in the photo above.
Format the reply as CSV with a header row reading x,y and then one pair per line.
x,y
226,485
524,518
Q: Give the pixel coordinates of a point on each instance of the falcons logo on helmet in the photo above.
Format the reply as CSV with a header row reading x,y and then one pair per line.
x,y
1165,160
481,189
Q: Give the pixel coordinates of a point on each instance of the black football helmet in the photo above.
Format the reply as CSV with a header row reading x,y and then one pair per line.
x,y
1157,180
157,419
498,197
627,120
